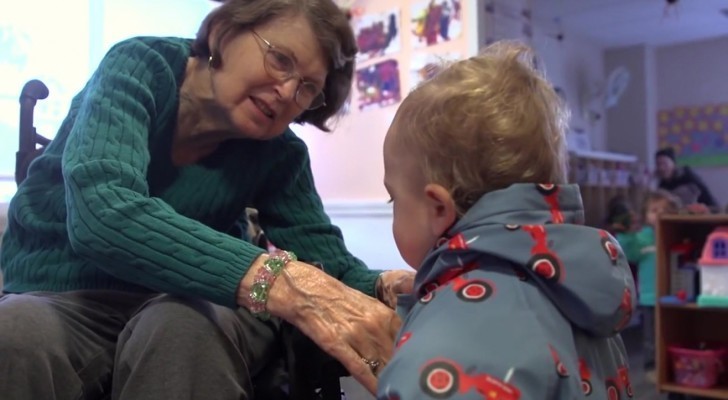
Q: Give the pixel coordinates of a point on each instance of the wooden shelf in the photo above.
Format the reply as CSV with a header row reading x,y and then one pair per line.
x,y
691,306
686,324
717,219
715,393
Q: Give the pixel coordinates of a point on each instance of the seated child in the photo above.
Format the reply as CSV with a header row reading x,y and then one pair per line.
x,y
514,298
639,247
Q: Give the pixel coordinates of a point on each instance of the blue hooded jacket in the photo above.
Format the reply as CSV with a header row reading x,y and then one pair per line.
x,y
518,301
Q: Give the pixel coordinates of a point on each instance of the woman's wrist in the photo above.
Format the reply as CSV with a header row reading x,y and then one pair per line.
x,y
255,287
294,290
264,280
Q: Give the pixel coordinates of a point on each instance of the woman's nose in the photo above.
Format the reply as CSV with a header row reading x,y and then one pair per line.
x,y
287,89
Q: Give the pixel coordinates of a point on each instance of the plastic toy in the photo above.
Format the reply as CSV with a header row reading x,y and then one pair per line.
x,y
714,270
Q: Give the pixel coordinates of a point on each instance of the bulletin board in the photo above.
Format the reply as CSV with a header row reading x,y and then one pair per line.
x,y
699,134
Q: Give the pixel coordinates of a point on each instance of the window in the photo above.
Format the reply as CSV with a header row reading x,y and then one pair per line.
x,y
37,41
720,248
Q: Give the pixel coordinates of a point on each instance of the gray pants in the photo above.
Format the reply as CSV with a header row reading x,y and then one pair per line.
x,y
71,345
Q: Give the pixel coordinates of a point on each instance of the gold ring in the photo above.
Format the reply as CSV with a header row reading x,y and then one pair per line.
x,y
372,364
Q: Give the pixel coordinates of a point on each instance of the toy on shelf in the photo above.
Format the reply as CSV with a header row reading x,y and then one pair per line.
x,y
714,270
683,274
700,367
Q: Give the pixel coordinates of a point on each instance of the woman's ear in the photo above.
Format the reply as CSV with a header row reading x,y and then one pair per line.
x,y
442,212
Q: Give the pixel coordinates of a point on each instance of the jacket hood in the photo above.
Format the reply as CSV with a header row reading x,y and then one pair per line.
x,y
539,230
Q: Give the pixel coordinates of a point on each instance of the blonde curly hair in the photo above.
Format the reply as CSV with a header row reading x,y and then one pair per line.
x,y
484,123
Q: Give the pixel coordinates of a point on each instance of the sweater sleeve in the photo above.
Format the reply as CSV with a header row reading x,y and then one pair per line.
x,y
292,216
112,221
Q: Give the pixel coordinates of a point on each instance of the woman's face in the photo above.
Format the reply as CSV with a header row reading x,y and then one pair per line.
x,y
259,105
664,167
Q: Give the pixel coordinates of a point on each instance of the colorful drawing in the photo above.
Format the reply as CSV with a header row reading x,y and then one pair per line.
x,y
378,84
436,21
377,34
698,134
425,66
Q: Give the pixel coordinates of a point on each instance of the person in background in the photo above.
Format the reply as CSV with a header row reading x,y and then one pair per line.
x,y
123,278
639,247
682,181
620,215
514,297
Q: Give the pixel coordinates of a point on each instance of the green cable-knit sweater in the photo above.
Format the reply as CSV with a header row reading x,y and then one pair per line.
x,y
105,208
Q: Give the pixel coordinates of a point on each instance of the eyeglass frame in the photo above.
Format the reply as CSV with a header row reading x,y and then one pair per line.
x,y
289,74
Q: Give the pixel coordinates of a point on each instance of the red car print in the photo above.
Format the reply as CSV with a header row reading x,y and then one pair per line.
x,y
443,378
389,394
543,261
609,246
458,242
550,193
585,375
403,339
470,290
615,386
428,290
560,368
625,306
623,374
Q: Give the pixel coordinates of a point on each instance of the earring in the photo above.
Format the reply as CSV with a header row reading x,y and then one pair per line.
x,y
211,62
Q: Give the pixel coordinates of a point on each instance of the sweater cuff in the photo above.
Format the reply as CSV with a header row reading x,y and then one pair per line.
x,y
233,275
367,283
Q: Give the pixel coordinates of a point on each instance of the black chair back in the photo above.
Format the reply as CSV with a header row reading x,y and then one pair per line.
x,y
29,139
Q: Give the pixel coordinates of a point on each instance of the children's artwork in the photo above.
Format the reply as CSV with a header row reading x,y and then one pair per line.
x,y
377,34
507,19
435,21
378,84
698,134
426,65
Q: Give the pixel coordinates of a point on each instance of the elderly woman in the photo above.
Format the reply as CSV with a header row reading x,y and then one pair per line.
x,y
119,260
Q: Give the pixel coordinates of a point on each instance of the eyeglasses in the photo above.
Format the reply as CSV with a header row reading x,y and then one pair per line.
x,y
281,66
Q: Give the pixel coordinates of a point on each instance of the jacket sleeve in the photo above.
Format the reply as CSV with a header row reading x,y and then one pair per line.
x,y
111,219
292,215
705,197
444,351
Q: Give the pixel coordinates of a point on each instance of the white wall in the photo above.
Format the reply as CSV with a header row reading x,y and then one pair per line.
x,y
367,229
631,123
696,74
574,64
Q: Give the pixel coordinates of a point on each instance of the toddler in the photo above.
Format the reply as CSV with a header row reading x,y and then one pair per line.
x,y
639,246
514,298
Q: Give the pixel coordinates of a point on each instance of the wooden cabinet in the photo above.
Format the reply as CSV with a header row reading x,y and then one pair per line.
x,y
602,176
685,323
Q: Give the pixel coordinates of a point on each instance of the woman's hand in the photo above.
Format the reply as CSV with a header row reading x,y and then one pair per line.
x,y
345,323
392,283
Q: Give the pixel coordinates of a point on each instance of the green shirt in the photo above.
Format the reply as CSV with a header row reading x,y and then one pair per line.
x,y
105,208
639,247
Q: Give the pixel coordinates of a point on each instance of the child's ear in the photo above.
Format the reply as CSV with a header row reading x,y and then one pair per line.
x,y
441,208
